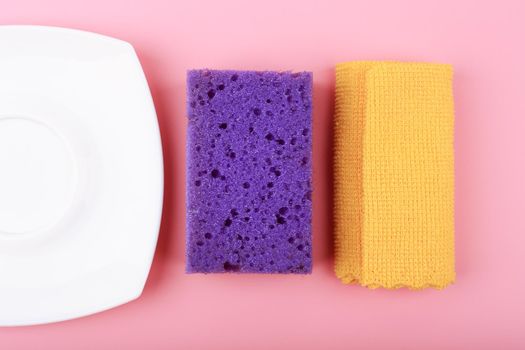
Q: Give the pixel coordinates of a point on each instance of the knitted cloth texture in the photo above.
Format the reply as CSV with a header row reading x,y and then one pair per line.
x,y
394,175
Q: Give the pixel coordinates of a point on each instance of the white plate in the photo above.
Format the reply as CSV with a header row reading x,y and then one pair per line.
x,y
81,176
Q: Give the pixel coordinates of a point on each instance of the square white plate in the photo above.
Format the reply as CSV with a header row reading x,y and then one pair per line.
x,y
81,174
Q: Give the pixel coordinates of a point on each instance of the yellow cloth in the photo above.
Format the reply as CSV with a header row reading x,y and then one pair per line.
x,y
394,175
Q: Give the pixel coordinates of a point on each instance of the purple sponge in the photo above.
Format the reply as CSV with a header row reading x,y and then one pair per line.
x,y
249,197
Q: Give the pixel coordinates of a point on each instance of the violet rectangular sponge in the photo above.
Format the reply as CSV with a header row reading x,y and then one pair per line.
x,y
249,152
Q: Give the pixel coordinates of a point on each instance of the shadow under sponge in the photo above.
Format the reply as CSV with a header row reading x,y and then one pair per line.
x,y
249,152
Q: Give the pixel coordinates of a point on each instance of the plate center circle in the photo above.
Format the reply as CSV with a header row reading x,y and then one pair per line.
x,y
37,175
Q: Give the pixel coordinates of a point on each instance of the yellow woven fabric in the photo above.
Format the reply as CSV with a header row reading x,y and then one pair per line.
x,y
394,175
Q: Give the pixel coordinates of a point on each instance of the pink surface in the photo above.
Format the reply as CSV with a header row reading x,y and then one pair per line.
x,y
484,309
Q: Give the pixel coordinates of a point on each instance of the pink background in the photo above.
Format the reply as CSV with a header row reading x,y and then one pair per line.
x,y
484,309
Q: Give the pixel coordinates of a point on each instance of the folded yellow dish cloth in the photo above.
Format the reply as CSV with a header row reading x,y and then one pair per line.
x,y
394,175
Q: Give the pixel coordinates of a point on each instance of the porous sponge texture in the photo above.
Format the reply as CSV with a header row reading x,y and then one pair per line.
x,y
249,152
394,175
